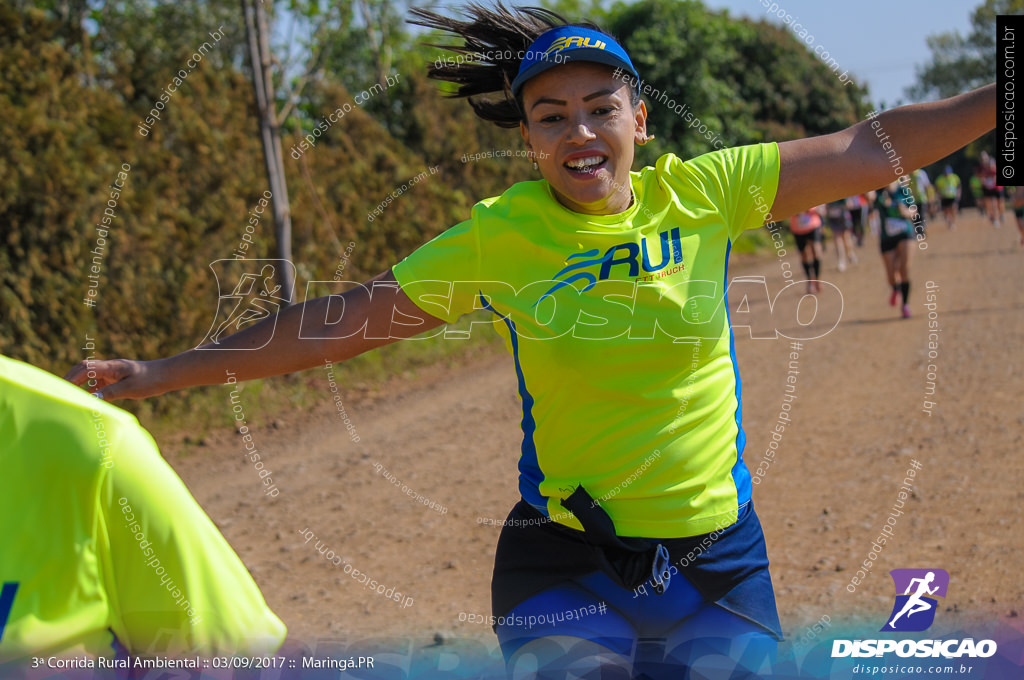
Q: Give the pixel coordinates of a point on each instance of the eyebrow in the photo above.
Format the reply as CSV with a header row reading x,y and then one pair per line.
x,y
562,102
547,100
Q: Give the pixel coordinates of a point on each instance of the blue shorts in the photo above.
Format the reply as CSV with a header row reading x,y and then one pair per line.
x,y
661,635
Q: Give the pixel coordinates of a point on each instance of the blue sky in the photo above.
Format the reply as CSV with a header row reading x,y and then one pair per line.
x,y
880,42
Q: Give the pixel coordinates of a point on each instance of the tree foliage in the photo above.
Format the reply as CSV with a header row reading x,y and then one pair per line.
x,y
718,81
960,63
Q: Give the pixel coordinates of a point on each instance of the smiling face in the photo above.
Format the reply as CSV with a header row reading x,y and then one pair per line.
x,y
580,125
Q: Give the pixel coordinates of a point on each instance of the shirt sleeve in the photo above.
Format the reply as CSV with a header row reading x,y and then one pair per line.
x,y
175,585
742,182
429,274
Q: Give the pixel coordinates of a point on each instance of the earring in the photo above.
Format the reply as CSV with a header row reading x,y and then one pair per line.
x,y
646,139
535,166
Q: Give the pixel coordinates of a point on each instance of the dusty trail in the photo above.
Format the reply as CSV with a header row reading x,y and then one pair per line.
x,y
452,434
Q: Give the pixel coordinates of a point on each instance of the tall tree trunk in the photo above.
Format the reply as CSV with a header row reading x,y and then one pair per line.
x,y
257,34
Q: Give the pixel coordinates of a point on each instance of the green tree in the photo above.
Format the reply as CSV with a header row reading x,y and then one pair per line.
x,y
717,81
61,150
960,63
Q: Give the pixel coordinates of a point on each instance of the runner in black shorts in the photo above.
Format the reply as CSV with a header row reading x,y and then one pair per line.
x,y
815,236
948,184
809,234
839,223
896,235
991,192
858,215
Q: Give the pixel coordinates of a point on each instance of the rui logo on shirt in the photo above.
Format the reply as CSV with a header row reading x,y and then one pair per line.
x,y
632,254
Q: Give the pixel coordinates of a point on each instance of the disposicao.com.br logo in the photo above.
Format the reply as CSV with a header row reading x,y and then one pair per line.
x,y
913,610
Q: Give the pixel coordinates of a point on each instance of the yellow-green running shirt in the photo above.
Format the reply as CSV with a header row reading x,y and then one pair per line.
x,y
619,330
101,541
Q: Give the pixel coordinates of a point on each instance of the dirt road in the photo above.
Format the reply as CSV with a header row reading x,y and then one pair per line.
x,y
452,435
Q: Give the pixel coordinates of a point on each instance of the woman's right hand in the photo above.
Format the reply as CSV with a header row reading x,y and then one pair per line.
x,y
112,379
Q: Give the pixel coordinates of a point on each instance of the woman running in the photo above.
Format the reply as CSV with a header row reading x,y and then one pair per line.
x,y
671,566
948,184
991,192
895,202
857,207
808,234
839,223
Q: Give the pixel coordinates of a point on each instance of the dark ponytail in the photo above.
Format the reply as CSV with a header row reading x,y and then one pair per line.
x,y
493,43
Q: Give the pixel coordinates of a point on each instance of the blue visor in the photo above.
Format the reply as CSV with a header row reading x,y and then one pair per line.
x,y
572,43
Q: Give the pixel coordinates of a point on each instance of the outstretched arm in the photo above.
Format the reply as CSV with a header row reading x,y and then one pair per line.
x,y
375,314
860,158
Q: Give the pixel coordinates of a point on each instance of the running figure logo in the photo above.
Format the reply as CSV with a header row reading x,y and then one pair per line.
x,y
915,609
254,296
